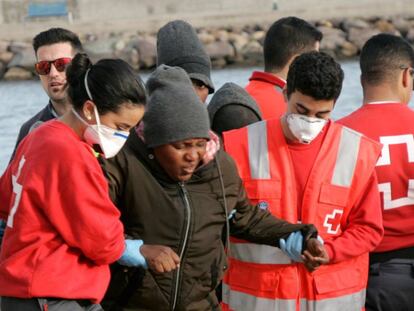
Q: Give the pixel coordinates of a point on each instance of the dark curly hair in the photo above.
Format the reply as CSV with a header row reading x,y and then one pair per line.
x,y
315,74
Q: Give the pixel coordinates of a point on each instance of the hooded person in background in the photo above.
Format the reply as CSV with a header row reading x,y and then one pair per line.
x,y
231,107
178,45
179,206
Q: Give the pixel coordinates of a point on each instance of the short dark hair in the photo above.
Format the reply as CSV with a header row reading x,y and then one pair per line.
x,y
285,38
382,56
57,35
111,82
315,74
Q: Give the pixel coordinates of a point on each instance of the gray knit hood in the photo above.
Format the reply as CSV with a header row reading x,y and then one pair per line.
x,y
174,111
231,94
178,45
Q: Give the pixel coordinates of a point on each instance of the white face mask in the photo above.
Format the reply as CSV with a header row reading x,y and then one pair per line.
x,y
108,139
304,128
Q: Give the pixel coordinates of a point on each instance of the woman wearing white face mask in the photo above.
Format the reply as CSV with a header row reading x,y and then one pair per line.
x,y
62,229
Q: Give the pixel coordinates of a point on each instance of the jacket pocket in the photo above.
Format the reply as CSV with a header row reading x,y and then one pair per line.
x,y
332,202
336,281
265,193
334,195
252,278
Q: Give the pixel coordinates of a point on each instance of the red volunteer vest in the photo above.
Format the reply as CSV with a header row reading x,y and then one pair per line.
x,y
267,91
262,277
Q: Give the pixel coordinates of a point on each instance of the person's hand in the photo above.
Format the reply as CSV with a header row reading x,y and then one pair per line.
x,y
160,258
314,255
292,247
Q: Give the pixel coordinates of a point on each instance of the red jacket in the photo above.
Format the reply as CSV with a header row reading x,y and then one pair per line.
x,y
266,89
340,198
62,229
392,124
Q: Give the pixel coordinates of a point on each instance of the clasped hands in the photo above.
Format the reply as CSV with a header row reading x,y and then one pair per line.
x,y
311,251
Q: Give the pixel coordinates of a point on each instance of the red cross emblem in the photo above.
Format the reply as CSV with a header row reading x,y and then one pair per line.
x,y
333,221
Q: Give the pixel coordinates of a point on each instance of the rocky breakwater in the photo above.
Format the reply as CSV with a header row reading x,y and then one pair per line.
x,y
239,46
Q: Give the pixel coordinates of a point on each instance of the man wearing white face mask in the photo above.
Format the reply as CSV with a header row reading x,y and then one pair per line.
x,y
306,168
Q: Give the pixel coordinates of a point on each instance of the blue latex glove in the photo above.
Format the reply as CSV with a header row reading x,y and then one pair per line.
x,y
292,247
132,257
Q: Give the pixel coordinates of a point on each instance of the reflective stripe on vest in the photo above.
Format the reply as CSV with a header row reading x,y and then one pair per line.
x,y
239,301
257,253
352,302
344,169
346,158
258,151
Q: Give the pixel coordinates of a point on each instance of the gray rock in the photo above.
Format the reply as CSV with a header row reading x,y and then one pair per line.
x,y
147,51
17,73
218,63
24,58
2,69
219,49
6,57
221,35
259,36
347,50
17,46
101,48
385,26
402,25
4,45
253,53
332,38
206,37
410,35
358,37
120,45
355,23
238,41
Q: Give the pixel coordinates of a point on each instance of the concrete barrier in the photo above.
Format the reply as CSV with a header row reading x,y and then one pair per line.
x,y
148,15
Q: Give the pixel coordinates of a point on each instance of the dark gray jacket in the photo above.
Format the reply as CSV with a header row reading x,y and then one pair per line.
x,y
189,218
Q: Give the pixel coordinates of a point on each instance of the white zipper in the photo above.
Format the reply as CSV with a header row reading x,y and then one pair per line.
x,y
187,230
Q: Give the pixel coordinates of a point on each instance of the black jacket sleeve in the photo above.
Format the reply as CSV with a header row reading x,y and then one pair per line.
x,y
251,223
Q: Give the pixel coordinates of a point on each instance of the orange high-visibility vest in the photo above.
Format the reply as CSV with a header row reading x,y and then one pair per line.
x,y
261,277
267,91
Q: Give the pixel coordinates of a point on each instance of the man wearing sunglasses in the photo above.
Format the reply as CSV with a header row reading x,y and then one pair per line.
x,y
54,50
387,80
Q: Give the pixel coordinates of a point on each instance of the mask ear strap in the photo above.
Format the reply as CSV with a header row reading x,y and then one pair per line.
x,y
79,117
95,110
85,82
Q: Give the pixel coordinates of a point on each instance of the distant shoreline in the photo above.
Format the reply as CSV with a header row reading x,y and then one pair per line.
x,y
239,46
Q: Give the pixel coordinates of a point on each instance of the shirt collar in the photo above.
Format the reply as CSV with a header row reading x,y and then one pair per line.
x,y
269,78
52,110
